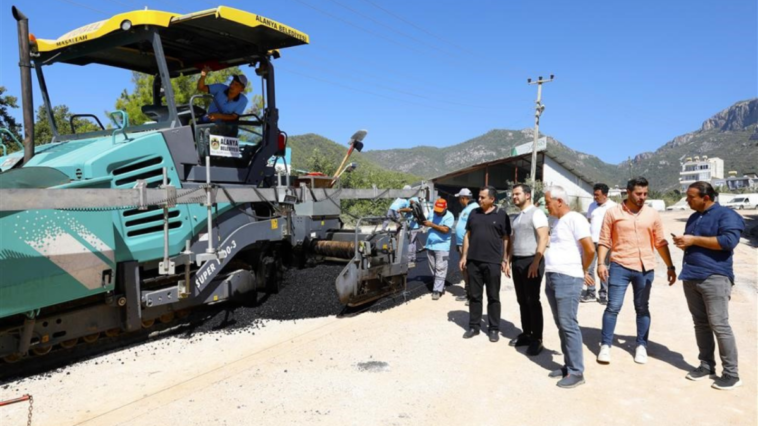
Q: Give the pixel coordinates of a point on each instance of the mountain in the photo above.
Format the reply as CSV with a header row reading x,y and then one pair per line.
x,y
732,135
430,162
316,153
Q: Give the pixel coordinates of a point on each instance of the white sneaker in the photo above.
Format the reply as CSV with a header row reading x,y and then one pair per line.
x,y
604,357
640,355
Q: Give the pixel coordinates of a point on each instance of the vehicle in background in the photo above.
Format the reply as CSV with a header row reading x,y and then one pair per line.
x,y
658,205
679,205
743,202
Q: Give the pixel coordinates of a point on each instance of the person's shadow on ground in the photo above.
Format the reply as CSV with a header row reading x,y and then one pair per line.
x,y
508,331
591,338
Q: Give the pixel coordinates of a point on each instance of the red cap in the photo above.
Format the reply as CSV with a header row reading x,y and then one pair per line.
x,y
440,205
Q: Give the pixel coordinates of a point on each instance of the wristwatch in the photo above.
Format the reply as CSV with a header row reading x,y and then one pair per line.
x,y
672,268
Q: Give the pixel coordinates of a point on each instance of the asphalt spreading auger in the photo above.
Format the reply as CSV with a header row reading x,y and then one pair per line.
x,y
109,231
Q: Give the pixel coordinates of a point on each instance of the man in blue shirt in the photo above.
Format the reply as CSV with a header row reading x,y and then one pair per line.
x,y
465,197
414,228
709,239
438,245
228,103
398,206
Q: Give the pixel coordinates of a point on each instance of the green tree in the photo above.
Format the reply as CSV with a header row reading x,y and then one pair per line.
x,y
319,162
43,133
7,121
184,88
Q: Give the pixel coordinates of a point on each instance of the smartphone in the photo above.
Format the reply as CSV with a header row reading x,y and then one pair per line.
x,y
672,235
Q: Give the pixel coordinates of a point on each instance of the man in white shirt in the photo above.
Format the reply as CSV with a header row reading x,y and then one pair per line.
x,y
566,264
526,249
595,215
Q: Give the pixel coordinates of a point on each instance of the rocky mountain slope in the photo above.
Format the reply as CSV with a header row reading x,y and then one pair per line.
x,y
731,135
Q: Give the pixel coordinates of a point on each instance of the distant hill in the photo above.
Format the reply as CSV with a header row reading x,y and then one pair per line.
x,y
430,162
311,151
732,135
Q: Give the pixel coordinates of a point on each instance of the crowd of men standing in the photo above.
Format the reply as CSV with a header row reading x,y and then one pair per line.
x,y
618,241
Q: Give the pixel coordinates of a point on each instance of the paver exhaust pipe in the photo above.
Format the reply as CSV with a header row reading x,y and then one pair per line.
x,y
25,64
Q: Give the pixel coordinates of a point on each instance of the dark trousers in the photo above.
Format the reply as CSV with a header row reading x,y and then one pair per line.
x,y
528,296
481,275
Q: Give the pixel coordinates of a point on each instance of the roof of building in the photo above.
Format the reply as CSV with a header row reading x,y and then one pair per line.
x,y
479,166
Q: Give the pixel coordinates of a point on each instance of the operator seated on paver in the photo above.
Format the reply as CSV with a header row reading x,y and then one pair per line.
x,y
228,103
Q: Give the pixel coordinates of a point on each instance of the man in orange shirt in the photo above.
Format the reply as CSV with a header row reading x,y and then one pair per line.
x,y
633,233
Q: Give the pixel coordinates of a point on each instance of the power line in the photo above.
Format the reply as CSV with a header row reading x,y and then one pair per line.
x,y
84,6
374,64
400,18
383,66
404,92
511,123
363,15
344,86
375,34
120,3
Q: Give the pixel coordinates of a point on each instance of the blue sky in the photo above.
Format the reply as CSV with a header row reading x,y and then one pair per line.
x,y
630,76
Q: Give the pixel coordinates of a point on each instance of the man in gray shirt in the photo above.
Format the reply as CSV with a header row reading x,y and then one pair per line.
x,y
526,249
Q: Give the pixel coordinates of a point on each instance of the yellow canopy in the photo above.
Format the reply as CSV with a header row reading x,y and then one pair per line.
x,y
223,36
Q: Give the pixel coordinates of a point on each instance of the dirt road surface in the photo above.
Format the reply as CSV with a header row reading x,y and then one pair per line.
x,y
409,366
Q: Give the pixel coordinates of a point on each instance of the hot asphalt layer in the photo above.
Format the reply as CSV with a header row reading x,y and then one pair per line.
x,y
304,293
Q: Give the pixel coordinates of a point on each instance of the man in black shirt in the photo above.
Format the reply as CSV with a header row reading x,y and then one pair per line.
x,y
484,257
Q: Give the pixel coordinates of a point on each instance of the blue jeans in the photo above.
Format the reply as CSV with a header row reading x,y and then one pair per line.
x,y
618,280
563,292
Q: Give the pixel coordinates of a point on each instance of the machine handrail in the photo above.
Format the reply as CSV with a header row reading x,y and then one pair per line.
x,y
13,138
124,118
122,127
71,121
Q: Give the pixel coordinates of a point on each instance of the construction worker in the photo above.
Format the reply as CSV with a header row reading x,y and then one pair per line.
x,y
438,245
229,102
397,207
414,228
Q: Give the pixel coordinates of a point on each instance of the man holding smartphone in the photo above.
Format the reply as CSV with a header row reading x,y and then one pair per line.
x,y
709,239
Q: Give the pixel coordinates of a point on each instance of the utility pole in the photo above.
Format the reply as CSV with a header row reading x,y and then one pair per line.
x,y
539,108
631,172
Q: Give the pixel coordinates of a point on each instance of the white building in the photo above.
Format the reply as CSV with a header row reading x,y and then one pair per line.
x,y
700,169
503,172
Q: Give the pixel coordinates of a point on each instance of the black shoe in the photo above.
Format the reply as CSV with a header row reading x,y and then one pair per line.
x,y
727,382
587,297
535,348
603,300
462,298
471,333
521,340
701,373
559,373
494,336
